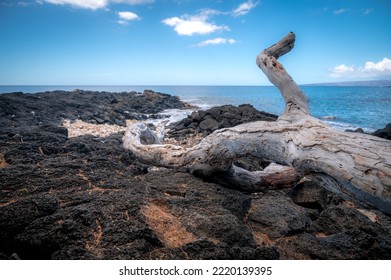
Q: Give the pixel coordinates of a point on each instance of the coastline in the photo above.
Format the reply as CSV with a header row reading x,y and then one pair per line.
x,y
350,107
71,192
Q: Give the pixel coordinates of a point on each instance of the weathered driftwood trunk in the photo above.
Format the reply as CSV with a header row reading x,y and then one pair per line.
x,y
353,164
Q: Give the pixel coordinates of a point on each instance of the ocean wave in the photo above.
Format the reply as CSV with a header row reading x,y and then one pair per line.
x,y
170,116
330,117
346,126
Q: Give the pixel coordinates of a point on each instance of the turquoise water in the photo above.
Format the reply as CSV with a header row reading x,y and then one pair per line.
x,y
340,106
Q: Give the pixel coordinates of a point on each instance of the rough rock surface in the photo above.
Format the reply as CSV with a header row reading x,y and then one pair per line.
x,y
384,132
18,109
205,122
75,196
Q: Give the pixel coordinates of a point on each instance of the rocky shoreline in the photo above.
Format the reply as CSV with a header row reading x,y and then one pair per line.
x,y
70,191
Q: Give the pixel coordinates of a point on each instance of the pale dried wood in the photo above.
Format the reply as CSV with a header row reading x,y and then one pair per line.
x,y
352,164
295,100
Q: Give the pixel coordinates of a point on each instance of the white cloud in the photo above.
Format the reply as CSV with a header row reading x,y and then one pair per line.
x,y
244,8
133,2
23,4
128,16
381,67
216,41
190,25
340,11
370,70
367,11
125,17
19,4
341,70
211,12
95,4
85,4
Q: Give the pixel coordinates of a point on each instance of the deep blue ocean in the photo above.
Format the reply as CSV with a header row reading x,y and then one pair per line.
x,y
343,107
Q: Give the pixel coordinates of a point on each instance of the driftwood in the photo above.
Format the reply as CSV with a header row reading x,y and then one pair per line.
x,y
352,164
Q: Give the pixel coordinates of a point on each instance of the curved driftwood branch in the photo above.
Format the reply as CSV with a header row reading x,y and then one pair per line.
x,y
353,164
295,100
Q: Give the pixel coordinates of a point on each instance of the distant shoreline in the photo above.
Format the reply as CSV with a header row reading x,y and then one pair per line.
x,y
40,88
375,83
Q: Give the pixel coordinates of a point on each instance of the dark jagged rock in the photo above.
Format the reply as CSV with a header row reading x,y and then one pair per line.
x,y
292,219
205,122
384,132
207,250
338,219
357,130
345,245
342,233
87,198
310,194
94,107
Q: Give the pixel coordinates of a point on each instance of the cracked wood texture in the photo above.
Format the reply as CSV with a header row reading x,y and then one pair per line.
x,y
352,164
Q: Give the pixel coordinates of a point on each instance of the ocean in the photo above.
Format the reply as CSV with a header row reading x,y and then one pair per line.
x,y
343,107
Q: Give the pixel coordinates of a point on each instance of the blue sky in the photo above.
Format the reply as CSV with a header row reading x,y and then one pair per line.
x,y
190,42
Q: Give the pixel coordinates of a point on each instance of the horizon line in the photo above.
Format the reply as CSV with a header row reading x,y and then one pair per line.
x,y
195,85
